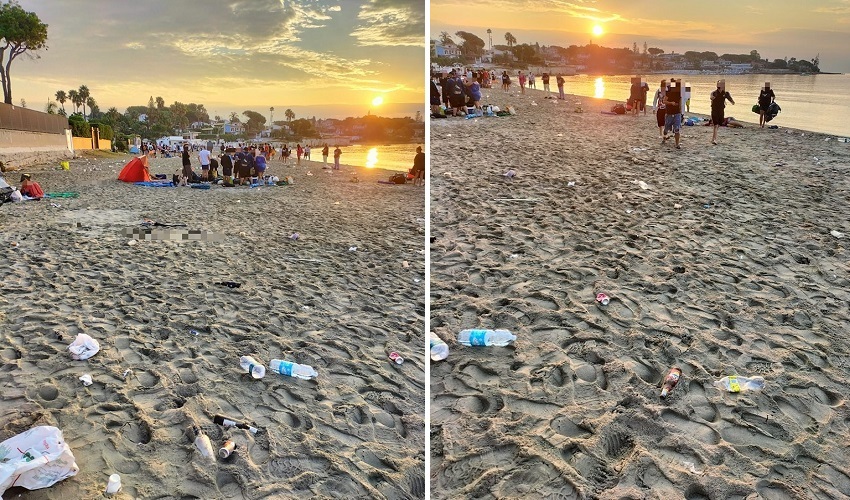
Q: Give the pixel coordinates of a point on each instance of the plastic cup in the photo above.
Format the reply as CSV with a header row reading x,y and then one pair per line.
x,y
602,299
396,357
113,485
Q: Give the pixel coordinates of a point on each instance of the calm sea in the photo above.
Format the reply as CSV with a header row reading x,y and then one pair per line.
x,y
391,156
819,103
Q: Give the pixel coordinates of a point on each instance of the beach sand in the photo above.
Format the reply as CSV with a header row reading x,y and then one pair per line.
x,y
356,431
724,265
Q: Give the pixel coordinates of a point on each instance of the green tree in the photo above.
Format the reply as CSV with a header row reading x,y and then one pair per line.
x,y
61,96
472,46
510,39
84,94
20,32
289,114
303,128
160,103
445,38
179,114
74,97
256,122
234,117
755,56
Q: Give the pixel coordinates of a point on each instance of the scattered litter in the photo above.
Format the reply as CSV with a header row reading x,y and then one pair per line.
x,y
837,234
416,280
126,372
83,347
843,139
629,210
86,379
396,357
227,449
638,149
113,485
37,458
228,422
228,284
309,173
304,372
352,249
336,203
305,308
510,174
691,467
619,196
514,256
294,236
132,243
602,299
641,184
252,366
14,244
560,135
439,349
677,206
405,264
514,199
56,205
194,332
202,443
571,183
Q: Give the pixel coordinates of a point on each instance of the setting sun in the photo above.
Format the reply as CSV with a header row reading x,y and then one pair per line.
x,y
597,30
377,101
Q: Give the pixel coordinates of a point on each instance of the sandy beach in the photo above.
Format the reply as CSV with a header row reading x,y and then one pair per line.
x,y
733,260
69,267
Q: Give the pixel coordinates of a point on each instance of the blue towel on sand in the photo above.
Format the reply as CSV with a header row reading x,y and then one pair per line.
x,y
154,184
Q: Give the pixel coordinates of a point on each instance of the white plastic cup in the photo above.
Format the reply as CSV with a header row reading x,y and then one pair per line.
x,y
113,485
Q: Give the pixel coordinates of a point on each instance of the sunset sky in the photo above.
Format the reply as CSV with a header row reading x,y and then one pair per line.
x,y
777,28
328,58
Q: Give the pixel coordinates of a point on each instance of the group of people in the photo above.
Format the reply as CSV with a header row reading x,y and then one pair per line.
x,y
241,164
457,93
668,105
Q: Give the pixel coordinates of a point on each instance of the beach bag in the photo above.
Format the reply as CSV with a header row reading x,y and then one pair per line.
x,y
6,195
756,109
35,459
619,109
398,179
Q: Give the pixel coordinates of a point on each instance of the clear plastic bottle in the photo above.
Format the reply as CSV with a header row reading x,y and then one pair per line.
x,y
290,369
202,442
485,337
439,349
252,366
734,383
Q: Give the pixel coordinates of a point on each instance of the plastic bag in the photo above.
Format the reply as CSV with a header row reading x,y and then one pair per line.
x,y
35,459
83,347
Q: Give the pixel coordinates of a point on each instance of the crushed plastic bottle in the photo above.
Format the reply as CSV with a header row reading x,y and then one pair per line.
x,y
203,444
498,338
734,383
290,369
439,349
252,366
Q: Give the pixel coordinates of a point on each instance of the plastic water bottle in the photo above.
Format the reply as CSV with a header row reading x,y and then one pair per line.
x,y
290,369
203,444
252,366
734,383
485,337
439,349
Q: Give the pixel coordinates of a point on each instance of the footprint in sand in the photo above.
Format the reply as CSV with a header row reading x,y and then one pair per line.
x,y
689,428
566,427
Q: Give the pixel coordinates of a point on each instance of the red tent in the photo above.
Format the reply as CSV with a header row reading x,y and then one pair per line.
x,y
136,170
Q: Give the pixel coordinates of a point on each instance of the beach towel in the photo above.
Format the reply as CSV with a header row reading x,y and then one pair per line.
x,y
154,184
62,195
200,186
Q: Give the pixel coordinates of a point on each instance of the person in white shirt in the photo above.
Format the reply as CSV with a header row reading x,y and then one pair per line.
x,y
204,157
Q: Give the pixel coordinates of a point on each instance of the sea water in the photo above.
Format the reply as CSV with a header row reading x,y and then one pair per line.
x,y
818,103
390,157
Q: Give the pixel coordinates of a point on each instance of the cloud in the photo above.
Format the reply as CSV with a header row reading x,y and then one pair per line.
x,y
391,23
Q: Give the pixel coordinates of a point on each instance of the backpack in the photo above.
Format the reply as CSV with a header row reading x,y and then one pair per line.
x,y
398,179
6,195
619,109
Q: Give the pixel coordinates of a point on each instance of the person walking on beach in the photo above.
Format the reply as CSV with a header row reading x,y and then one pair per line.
x,y
545,79
659,107
521,78
299,151
337,154
307,152
718,106
187,165
506,81
418,169
204,157
531,83
673,110
644,89
634,96
766,98
435,105
560,80
325,154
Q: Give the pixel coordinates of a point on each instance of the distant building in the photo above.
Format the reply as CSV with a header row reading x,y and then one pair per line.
x,y
439,49
234,128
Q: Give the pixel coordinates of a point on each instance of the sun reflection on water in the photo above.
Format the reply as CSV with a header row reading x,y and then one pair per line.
x,y
599,88
372,158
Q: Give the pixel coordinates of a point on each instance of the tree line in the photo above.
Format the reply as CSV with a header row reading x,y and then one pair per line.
x,y
599,58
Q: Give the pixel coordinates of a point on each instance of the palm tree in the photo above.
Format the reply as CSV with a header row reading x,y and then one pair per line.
x,y
61,96
289,114
84,95
93,107
160,103
112,115
51,107
510,39
74,97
